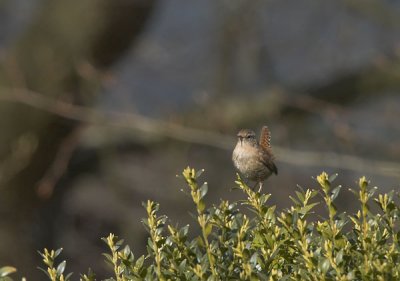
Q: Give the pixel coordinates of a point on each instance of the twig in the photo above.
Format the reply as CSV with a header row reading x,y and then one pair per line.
x,y
45,186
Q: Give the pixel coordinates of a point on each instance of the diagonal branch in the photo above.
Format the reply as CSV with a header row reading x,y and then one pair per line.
x,y
191,135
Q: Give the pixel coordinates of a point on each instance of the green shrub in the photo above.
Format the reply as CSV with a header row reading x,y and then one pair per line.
x,y
265,245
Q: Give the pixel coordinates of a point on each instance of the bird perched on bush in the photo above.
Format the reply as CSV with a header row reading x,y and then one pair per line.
x,y
253,159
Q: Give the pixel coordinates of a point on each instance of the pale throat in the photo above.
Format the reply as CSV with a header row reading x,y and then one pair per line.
x,y
246,148
248,143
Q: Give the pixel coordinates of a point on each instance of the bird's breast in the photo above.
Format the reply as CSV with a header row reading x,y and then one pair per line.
x,y
246,160
244,157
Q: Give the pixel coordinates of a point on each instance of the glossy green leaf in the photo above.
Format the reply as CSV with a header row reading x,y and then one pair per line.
x,y
61,267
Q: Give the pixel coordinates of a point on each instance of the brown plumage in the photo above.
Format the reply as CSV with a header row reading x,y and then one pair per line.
x,y
254,160
265,138
265,144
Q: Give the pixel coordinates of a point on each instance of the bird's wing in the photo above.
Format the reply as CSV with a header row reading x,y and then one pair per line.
x,y
267,158
265,138
266,154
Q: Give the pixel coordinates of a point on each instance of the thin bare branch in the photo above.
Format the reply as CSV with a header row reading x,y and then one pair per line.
x,y
46,185
178,132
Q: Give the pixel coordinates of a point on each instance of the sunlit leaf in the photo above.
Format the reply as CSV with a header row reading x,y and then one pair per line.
x,y
61,267
7,270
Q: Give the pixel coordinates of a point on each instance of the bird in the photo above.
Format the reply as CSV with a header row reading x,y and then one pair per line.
x,y
254,159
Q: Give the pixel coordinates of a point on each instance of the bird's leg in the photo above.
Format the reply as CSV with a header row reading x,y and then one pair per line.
x,y
261,185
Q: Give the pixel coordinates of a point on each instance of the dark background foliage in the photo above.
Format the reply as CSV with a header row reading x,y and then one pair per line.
x,y
103,102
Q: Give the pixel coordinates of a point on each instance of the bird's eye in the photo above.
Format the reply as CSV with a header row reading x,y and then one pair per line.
x,y
247,137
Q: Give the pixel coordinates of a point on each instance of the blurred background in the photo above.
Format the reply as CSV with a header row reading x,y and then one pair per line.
x,y
104,102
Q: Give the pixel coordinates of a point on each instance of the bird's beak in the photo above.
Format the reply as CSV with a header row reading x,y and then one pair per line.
x,y
241,140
